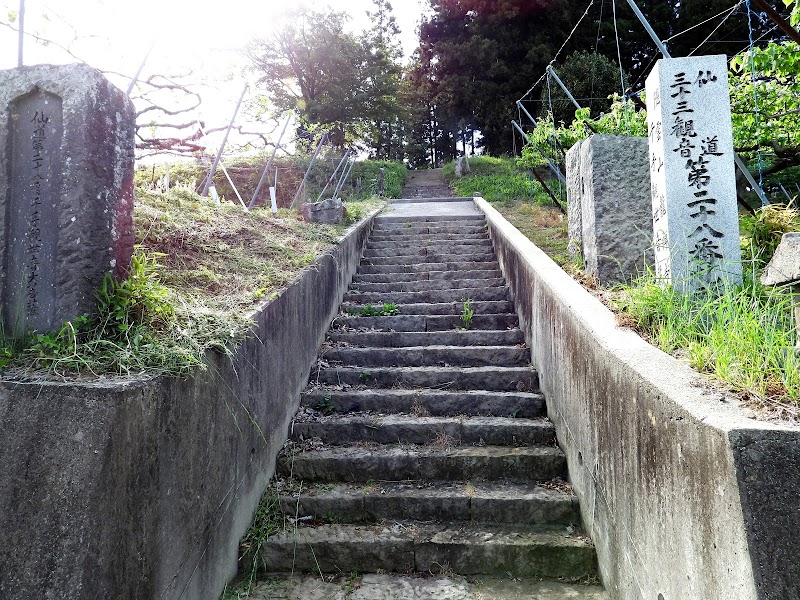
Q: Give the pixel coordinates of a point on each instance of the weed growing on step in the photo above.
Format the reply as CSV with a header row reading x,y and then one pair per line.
x,y
467,314
325,406
389,309
267,521
745,336
352,583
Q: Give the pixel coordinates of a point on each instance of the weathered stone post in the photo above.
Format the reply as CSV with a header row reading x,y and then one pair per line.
x,y
784,269
608,206
66,192
695,218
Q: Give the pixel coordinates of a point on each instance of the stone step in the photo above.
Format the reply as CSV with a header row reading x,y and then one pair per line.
x,y
387,237
550,552
418,242
340,430
432,199
421,286
428,276
443,257
424,248
427,402
388,221
431,229
481,502
389,586
455,266
403,322
489,307
430,296
498,379
398,339
407,462
431,356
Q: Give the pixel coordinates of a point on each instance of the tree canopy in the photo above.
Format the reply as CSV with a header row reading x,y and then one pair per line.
x,y
312,65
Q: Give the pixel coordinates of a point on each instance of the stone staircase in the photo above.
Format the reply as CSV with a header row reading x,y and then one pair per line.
x,y
426,184
422,445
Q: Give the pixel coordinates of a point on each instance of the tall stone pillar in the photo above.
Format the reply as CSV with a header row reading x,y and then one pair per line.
x,y
66,192
695,217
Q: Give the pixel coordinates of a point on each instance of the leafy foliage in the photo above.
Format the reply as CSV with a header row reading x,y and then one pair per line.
x,y
766,106
550,141
349,84
591,78
743,336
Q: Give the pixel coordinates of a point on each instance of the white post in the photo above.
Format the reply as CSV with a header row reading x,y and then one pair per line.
x,y
273,200
693,183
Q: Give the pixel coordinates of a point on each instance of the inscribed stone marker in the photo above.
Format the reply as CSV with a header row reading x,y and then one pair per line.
x,y
66,192
693,185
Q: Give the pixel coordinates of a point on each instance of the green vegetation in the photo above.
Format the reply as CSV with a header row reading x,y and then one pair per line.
x,y
268,520
199,269
496,179
388,309
744,336
362,184
467,313
545,226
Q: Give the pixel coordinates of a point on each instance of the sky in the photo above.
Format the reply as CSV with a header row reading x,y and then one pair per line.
x,y
204,36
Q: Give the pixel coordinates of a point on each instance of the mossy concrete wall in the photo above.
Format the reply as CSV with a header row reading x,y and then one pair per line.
x,y
143,489
684,495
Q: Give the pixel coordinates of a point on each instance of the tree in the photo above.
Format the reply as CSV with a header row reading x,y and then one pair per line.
x,y
591,78
328,76
386,139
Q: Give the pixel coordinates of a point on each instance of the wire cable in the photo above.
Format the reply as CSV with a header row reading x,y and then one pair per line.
x,y
755,96
688,29
720,24
619,54
555,58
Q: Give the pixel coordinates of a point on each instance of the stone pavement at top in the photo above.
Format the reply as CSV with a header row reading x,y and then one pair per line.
x,y
422,453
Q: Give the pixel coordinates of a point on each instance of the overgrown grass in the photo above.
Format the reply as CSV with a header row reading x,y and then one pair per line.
x,y
267,521
545,226
245,172
744,336
199,269
496,179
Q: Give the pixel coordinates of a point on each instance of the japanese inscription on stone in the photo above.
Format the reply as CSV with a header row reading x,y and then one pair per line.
x,y
36,130
693,186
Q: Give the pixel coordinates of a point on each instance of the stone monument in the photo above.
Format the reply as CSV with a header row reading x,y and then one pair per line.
x,y
330,211
784,269
695,217
574,194
608,206
66,192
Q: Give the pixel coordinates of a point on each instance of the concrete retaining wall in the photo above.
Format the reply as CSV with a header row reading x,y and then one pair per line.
x,y
142,489
685,496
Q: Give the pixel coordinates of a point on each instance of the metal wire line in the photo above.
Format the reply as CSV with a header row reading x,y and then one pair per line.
x,y
720,24
688,29
555,58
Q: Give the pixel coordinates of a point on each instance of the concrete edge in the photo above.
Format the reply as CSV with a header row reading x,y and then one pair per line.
x,y
143,488
685,496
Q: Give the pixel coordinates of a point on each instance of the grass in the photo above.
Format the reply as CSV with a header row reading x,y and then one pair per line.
x,y
496,179
199,270
744,336
268,520
545,226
